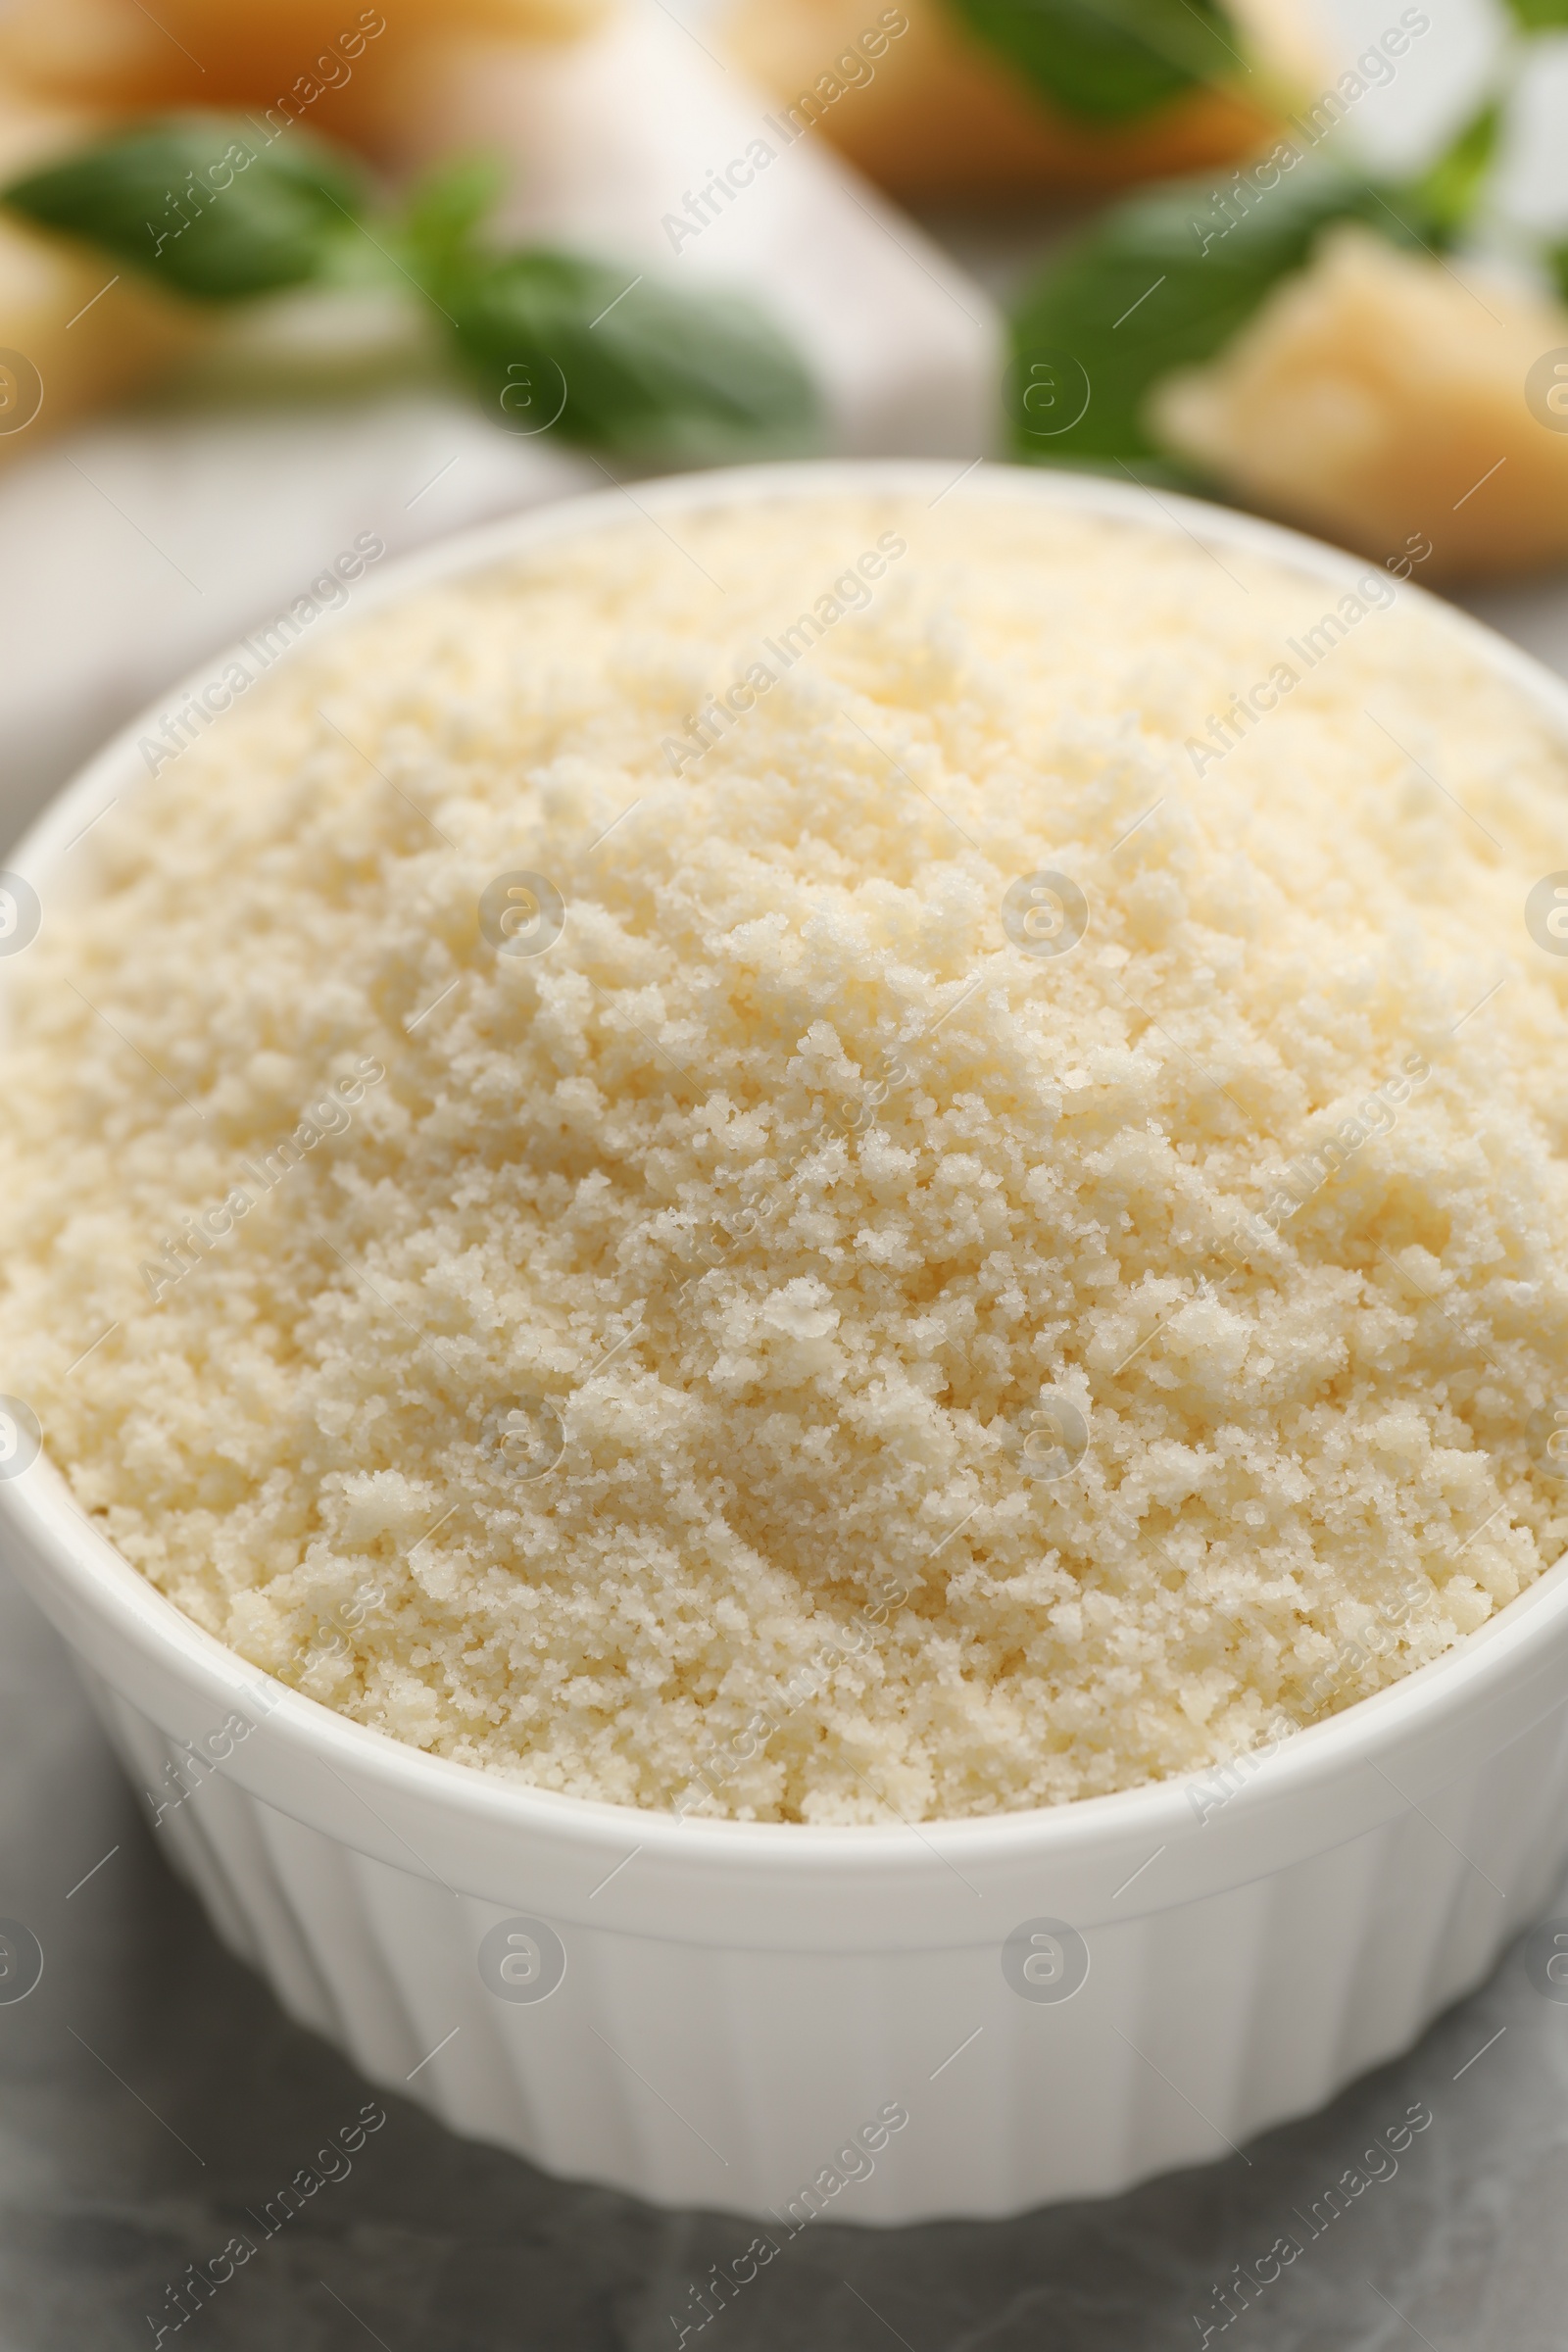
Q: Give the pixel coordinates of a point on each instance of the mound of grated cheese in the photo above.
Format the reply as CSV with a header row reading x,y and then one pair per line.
x,y
637,1367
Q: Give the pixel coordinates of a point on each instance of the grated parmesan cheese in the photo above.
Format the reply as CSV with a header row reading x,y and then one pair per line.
x,y
805,1333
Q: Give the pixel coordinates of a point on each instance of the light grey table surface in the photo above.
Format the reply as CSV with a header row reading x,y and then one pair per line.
x,y
151,2090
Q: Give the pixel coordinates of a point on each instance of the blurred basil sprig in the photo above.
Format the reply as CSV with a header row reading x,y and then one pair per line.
x,y
208,208
1161,281
202,205
1165,278
1107,59
636,364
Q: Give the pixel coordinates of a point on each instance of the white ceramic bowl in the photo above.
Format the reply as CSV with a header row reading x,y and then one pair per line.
x,y
747,2010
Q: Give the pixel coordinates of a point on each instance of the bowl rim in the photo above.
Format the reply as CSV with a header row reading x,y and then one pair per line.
x,y
39,1507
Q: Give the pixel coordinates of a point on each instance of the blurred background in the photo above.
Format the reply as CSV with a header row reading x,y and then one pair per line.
x,y
275,275
280,280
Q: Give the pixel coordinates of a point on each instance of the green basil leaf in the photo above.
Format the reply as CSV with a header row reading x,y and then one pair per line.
x,y
1449,187
1109,59
1539,15
208,205
629,365
1161,281
443,210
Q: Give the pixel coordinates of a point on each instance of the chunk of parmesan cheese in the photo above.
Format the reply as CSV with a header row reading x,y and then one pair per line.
x,y
1382,399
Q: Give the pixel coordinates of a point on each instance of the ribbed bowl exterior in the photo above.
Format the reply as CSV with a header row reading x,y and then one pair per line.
x,y
784,2022
695,2072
